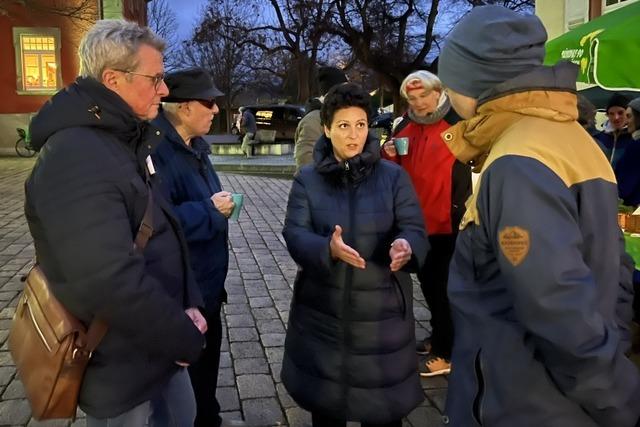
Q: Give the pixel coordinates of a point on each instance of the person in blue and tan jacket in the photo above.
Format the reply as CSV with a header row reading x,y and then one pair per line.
x,y
539,284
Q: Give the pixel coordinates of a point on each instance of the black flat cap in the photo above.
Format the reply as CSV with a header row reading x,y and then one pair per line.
x,y
191,83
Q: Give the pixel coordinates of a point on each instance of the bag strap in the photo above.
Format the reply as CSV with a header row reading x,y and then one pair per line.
x,y
97,331
145,231
98,327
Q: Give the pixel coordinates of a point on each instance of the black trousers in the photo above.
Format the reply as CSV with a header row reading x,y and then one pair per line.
x,y
321,420
204,373
433,280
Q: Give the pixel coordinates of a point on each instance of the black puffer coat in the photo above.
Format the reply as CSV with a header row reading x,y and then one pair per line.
x,y
84,201
350,346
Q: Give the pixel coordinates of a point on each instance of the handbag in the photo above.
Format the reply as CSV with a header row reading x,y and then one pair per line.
x,y
52,348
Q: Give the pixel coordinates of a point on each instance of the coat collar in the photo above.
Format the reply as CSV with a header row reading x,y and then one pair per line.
x,y
353,170
199,147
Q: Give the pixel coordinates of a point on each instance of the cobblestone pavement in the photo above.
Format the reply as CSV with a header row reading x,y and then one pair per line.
x,y
260,279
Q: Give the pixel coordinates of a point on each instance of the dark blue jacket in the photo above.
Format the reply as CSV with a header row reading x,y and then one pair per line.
x,y
188,181
628,175
539,285
613,145
350,346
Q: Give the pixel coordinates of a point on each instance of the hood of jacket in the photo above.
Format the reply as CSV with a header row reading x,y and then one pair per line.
x,y
87,103
352,170
546,92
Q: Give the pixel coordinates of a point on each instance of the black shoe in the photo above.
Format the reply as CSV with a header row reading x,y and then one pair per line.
x,y
423,347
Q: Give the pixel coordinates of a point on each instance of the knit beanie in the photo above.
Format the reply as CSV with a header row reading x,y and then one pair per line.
x,y
328,77
617,100
490,45
635,104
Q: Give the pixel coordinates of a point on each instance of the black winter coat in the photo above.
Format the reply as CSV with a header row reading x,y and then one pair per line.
x,y
350,345
84,201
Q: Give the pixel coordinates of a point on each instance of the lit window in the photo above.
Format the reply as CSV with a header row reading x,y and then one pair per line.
x,y
37,59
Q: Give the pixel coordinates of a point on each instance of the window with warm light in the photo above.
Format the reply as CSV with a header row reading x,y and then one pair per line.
x,y
37,59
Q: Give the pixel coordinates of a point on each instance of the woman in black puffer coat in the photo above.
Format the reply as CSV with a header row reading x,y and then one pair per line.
x,y
355,228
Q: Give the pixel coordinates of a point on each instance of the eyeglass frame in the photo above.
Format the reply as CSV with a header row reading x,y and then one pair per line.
x,y
157,79
207,103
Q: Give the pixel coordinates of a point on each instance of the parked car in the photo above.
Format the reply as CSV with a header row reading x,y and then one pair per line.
x,y
382,120
277,122
381,126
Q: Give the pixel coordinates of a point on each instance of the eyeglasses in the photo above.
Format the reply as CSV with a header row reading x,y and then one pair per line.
x,y
207,103
157,79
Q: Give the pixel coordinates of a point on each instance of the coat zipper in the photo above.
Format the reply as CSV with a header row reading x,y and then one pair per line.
x,y
346,303
613,150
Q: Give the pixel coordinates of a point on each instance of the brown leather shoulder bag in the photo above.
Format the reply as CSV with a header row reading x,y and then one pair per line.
x,y
50,347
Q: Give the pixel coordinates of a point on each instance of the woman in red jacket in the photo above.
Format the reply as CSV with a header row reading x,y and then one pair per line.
x,y
443,184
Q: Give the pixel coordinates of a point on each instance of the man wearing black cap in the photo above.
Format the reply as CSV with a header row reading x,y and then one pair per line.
x,y
615,138
192,186
310,128
539,275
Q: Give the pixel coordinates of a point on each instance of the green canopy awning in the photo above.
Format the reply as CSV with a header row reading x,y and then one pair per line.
x,y
607,49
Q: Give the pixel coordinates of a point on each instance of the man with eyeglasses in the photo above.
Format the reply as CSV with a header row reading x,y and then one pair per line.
x,y
86,197
192,186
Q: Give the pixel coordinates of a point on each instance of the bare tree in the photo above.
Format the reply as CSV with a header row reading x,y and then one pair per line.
x,y
517,5
214,47
162,20
391,37
396,37
296,28
80,11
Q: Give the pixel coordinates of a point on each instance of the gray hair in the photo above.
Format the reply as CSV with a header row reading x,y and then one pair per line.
x,y
429,81
114,43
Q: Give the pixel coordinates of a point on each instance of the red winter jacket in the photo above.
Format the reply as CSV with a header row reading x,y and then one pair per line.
x,y
442,183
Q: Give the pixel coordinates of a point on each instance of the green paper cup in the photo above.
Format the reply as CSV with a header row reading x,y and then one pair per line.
x,y
402,145
238,200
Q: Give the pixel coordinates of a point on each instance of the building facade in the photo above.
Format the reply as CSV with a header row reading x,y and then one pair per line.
x,y
41,40
560,16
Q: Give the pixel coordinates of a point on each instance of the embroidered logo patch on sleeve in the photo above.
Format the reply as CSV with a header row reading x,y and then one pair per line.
x,y
514,244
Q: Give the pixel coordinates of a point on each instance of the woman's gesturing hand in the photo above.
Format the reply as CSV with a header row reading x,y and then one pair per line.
x,y
341,251
400,254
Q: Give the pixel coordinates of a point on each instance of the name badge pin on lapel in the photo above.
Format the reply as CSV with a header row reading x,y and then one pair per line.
x,y
150,167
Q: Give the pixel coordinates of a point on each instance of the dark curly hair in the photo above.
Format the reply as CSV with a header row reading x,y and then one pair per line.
x,y
343,96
